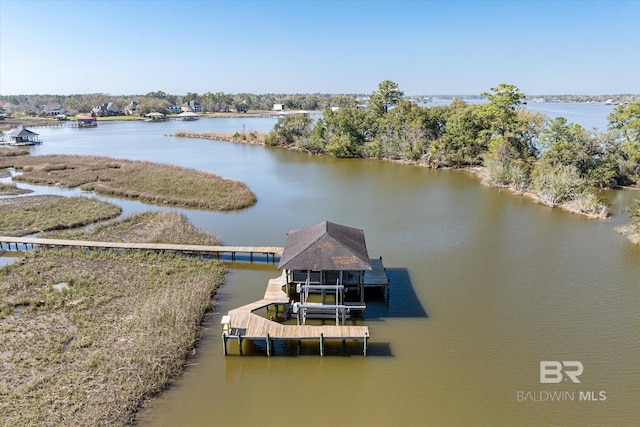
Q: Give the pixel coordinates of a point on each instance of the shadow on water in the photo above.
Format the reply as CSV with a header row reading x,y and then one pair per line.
x,y
402,301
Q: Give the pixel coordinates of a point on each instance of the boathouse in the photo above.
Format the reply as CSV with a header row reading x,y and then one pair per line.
x,y
325,254
22,136
320,265
87,122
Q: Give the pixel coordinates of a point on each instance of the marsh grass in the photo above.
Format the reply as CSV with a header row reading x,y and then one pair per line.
x,y
149,182
20,216
12,151
118,334
11,189
148,227
92,353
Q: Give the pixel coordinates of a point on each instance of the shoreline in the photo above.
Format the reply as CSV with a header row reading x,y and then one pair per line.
x,y
10,123
478,171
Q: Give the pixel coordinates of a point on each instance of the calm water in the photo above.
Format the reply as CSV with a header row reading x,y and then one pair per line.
x,y
485,285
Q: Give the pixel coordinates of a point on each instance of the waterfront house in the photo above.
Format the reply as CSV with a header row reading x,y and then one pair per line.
x,y
192,106
173,109
22,136
132,108
52,110
106,110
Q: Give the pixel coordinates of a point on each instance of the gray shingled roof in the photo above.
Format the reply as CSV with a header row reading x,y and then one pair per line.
x,y
21,132
325,246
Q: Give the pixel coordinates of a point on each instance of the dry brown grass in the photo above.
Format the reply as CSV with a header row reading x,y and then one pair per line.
x,y
91,354
149,227
12,151
20,216
149,182
11,189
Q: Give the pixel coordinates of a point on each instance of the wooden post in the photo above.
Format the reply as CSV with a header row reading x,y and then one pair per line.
x,y
366,336
240,344
268,345
321,344
224,343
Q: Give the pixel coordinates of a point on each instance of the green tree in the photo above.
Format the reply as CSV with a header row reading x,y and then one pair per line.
x,y
596,157
346,131
388,94
504,119
458,143
405,132
148,105
624,125
290,130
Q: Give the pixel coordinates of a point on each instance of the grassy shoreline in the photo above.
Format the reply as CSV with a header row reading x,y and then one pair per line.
x,y
88,336
155,183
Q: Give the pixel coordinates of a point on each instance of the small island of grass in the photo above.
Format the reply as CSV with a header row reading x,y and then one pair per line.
x,y
145,181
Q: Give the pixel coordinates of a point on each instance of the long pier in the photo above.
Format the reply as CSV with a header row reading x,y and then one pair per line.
x,y
242,324
270,252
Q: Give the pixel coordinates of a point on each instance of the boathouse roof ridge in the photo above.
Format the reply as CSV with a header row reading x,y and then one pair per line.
x,y
325,246
21,132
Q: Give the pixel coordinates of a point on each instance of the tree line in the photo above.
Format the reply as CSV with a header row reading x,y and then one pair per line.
x,y
527,151
31,105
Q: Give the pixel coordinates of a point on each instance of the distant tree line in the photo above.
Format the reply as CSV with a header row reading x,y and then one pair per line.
x,y
523,150
31,105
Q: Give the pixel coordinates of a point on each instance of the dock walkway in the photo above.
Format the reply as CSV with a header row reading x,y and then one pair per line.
x,y
270,252
242,324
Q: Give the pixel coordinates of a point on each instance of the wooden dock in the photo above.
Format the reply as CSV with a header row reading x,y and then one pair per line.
x,y
270,252
242,324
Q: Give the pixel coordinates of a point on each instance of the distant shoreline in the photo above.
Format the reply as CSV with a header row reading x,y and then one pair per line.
x,y
11,123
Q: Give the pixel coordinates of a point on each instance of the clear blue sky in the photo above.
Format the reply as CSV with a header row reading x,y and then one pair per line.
x,y
427,47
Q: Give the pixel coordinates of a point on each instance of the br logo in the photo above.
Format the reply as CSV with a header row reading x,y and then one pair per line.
x,y
553,372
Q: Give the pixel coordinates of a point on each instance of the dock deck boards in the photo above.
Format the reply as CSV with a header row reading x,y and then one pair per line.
x,y
377,276
244,324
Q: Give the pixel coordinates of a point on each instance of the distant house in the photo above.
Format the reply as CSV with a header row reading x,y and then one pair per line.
x,y
278,107
174,109
192,106
132,108
106,109
52,110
